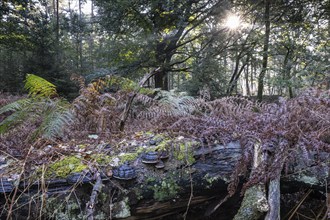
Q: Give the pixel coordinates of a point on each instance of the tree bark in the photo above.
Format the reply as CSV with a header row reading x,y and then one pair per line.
x,y
265,50
90,206
80,50
274,200
247,86
287,69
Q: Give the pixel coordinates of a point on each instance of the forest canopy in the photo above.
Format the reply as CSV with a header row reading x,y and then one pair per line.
x,y
275,47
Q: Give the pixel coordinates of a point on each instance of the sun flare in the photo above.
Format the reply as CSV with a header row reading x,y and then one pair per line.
x,y
232,22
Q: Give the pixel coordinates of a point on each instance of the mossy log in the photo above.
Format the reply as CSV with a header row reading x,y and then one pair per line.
x,y
196,185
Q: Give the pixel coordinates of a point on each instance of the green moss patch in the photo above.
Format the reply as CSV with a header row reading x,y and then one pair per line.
x,y
102,159
167,189
184,152
127,157
65,166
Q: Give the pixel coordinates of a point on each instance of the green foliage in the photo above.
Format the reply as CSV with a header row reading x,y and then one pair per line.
x,y
121,83
127,157
185,153
56,116
17,111
168,189
50,116
15,106
39,87
170,104
66,166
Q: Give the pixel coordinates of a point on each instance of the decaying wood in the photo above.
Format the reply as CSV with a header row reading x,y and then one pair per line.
x,y
254,203
90,206
209,178
274,200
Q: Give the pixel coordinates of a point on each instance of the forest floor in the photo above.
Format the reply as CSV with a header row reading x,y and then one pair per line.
x,y
190,131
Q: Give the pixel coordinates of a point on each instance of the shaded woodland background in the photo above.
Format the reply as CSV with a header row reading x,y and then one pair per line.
x,y
280,47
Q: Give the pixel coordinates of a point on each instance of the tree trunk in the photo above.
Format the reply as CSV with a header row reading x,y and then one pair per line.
x,y
246,76
57,22
160,79
91,37
80,51
237,73
286,72
265,51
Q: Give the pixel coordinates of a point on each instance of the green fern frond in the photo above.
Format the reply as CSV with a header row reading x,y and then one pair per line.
x,y
169,104
57,117
18,109
50,115
39,87
15,106
56,123
15,118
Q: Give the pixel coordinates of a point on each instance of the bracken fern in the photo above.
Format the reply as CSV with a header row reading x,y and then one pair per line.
x,y
50,115
39,87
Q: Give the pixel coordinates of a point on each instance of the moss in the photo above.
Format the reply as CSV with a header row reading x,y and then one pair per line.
x,y
164,144
141,149
64,167
210,179
159,137
102,197
82,146
146,91
100,216
149,133
254,204
69,210
151,179
138,193
124,157
102,159
185,153
167,189
121,209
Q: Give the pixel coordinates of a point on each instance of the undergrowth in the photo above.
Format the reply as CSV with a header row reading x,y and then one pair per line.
x,y
282,129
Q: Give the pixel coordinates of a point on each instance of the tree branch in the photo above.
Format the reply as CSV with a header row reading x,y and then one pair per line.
x,y
90,206
132,96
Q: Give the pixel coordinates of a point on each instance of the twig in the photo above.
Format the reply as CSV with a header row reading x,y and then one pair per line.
x,y
295,209
90,206
132,96
306,217
43,189
13,201
110,204
212,210
191,194
274,200
327,211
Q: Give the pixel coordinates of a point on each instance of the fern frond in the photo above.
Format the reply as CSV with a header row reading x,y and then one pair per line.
x,y
55,119
15,106
58,122
14,119
39,87
19,111
144,99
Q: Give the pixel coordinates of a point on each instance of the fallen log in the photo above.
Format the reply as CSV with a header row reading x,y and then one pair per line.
x,y
159,193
